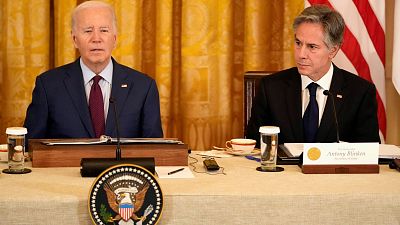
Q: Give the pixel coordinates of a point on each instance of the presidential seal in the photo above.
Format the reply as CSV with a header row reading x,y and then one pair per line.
x,y
125,194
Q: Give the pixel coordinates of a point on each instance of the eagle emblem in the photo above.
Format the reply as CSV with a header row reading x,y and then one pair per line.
x,y
126,196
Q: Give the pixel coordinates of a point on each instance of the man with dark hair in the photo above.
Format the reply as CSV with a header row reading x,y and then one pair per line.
x,y
294,99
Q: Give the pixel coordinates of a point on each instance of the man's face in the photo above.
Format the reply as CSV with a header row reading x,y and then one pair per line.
x,y
94,36
312,55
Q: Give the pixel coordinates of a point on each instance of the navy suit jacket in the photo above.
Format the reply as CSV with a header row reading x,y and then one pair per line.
x,y
278,103
59,107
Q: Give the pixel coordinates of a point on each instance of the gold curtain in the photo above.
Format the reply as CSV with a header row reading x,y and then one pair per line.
x,y
197,50
25,38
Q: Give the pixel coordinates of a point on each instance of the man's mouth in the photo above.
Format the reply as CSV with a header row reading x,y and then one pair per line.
x,y
302,64
96,50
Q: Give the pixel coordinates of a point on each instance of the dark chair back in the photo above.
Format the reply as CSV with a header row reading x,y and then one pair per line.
x,y
251,84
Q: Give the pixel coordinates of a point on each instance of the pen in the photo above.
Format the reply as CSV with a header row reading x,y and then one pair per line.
x,y
252,158
175,171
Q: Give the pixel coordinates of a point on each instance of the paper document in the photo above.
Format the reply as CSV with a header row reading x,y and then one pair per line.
x,y
389,151
292,149
214,153
107,139
174,172
385,151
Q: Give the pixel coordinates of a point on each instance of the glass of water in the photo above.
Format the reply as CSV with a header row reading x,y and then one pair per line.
x,y
269,147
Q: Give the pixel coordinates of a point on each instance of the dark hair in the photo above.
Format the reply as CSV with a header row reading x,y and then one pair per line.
x,y
331,21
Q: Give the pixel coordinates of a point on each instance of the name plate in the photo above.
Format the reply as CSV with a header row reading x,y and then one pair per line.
x,y
340,153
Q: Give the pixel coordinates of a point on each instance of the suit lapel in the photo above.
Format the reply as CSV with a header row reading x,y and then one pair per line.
x,y
328,121
76,89
293,100
121,86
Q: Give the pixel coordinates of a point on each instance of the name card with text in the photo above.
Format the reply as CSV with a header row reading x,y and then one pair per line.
x,y
341,153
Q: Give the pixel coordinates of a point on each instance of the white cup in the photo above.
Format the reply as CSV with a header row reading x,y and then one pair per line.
x,y
241,145
3,153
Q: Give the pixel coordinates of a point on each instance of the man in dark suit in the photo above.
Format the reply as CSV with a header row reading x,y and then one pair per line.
x,y
294,99
77,100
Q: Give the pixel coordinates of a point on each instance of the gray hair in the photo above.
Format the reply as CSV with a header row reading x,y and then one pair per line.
x,y
331,21
93,4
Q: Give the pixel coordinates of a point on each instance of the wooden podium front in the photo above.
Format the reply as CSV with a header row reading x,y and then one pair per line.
x,y
339,169
165,154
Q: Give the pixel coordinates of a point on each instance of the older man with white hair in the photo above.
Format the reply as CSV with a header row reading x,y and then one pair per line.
x,y
78,100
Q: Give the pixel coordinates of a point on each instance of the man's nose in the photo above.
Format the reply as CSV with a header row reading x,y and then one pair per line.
x,y
96,36
303,51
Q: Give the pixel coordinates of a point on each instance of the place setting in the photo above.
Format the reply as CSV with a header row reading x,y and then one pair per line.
x,y
239,147
246,147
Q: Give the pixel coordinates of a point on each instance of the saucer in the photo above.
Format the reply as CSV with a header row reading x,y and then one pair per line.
x,y
241,153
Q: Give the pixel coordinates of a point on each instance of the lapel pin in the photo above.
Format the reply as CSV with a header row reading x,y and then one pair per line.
x,y
339,96
124,85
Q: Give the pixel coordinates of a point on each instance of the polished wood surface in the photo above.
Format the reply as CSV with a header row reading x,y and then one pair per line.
x,y
70,155
339,169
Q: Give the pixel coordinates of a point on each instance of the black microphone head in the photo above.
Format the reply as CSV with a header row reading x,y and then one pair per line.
x,y
326,92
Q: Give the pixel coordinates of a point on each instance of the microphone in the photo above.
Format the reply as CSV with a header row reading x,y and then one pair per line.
x,y
118,149
93,167
329,94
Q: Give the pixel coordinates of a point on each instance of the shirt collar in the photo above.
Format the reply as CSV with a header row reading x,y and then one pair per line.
x,y
324,82
89,74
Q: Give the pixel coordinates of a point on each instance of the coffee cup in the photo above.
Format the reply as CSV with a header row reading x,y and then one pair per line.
x,y
241,145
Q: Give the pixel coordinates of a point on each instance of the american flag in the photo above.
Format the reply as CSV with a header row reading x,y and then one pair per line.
x,y
125,211
363,49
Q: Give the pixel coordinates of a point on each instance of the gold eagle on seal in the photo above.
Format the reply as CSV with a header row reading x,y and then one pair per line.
x,y
126,197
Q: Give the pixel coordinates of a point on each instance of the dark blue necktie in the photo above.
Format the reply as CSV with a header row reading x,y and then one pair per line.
x,y
311,117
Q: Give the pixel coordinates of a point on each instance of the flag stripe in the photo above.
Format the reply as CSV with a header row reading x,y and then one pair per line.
x,y
357,27
373,26
362,51
352,50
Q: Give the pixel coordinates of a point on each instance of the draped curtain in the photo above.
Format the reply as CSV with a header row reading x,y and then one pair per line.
x,y
196,50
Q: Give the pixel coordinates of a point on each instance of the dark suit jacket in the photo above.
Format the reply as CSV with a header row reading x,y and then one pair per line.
x,y
59,107
278,103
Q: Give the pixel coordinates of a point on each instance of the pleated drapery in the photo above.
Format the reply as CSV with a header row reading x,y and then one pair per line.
x,y
196,50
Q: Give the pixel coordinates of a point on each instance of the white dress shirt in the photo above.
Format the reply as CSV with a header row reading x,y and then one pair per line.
x,y
324,84
105,83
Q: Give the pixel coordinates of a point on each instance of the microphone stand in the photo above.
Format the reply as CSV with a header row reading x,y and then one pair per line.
x,y
118,150
329,94
92,167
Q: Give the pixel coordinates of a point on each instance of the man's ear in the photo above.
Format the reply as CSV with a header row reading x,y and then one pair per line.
x,y
115,41
333,51
74,39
